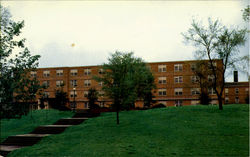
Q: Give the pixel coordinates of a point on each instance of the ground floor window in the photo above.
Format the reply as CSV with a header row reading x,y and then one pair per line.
x,y
178,103
86,105
237,100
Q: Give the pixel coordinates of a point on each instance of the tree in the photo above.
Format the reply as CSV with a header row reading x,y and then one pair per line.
x,y
126,78
216,42
61,99
17,87
92,97
246,13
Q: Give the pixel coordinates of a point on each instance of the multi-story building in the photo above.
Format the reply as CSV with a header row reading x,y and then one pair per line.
x,y
176,83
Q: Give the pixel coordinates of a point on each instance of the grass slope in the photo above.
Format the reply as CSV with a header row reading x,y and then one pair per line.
x,y
183,131
27,123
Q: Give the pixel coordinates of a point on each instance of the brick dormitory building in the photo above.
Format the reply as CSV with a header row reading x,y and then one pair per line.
x,y
176,84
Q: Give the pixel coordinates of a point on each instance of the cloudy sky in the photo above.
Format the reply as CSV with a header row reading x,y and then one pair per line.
x,y
78,33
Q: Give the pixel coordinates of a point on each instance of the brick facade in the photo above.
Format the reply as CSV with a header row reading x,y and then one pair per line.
x,y
174,82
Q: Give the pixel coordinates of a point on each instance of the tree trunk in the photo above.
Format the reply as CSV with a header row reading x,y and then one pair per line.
x,y
220,103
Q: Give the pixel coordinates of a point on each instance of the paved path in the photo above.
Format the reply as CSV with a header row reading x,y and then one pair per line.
x,y
24,140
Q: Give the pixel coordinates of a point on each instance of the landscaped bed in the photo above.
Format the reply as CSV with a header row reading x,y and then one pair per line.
x,y
172,131
28,123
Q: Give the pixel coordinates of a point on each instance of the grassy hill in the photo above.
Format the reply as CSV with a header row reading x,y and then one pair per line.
x,y
182,131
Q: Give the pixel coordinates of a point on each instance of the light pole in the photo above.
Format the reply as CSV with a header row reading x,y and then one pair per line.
x,y
74,105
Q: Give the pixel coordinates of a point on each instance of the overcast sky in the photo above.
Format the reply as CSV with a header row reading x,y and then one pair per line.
x,y
78,33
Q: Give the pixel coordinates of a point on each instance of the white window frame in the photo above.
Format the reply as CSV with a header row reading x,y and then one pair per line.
x,y
211,78
33,73
195,91
195,79
226,91
46,83
211,91
178,67
87,71
72,94
87,83
85,94
73,83
162,80
178,91
162,68
236,90
237,100
59,72
178,103
101,71
162,92
226,100
59,83
73,72
46,73
178,79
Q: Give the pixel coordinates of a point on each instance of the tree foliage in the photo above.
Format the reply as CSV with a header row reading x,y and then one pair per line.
x,y
216,42
15,62
92,97
126,78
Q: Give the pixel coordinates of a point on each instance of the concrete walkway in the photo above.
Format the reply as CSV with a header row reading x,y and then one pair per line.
x,y
24,140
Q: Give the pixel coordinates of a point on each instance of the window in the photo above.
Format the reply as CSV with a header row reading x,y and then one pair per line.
x,y
72,93
178,91
86,105
178,103
87,83
162,92
162,80
177,67
178,79
226,100
59,83
100,83
33,73
73,72
214,65
73,83
195,91
211,91
193,67
236,90
237,100
46,84
46,94
87,71
101,93
226,91
85,93
59,72
195,102
46,73
101,71
162,68
195,79
247,90
211,78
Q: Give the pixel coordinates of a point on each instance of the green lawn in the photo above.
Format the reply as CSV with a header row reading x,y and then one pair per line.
x,y
28,123
183,131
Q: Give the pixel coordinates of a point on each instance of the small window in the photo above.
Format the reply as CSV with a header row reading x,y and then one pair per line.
x,y
211,78
211,91
46,73
226,100
46,94
237,100
85,94
162,68
236,90
226,91
59,72
178,67
100,83
72,93
33,73
193,67
178,79
178,103
87,71
59,83
195,91
162,92
73,83
214,65
162,80
86,105
195,79
87,83
178,91
46,84
101,71
73,72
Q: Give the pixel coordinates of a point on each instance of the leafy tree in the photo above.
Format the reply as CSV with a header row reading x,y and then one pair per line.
x,y
61,99
16,62
246,13
126,78
216,42
92,97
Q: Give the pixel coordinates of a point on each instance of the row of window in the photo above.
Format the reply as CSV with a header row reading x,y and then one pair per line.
x,y
74,94
73,72
179,79
73,83
237,100
236,90
178,91
179,67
